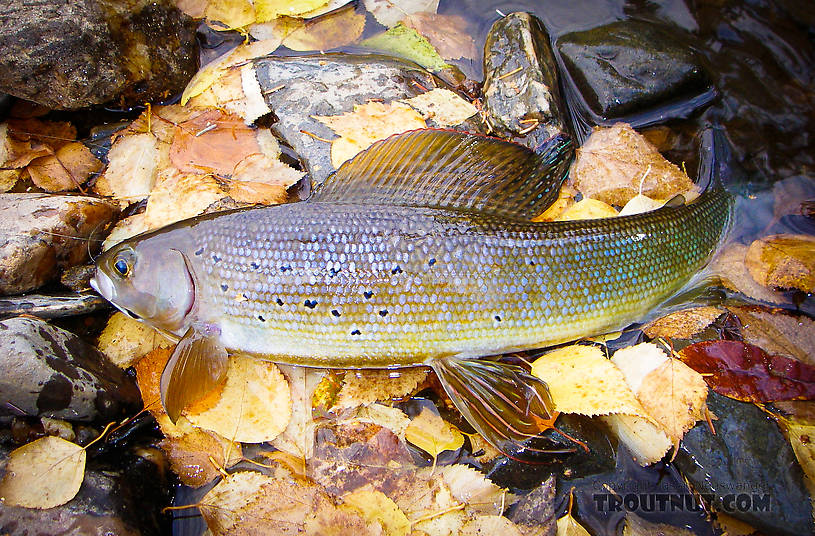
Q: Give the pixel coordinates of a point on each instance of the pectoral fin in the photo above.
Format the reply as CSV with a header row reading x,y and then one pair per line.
x,y
504,403
197,366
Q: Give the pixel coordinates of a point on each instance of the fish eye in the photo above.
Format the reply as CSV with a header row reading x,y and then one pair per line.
x,y
121,266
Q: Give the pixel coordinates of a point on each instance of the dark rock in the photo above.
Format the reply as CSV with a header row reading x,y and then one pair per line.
x,y
68,55
747,469
47,371
628,67
41,234
51,305
521,92
535,511
295,88
125,500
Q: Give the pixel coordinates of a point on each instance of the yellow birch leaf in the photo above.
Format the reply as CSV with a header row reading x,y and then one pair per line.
x,y
802,440
366,124
581,380
231,13
254,405
587,209
298,437
565,199
683,324
124,229
783,261
432,434
730,526
378,507
394,419
8,178
729,265
134,163
364,386
125,340
178,196
67,169
639,204
43,474
568,526
473,488
443,106
647,442
636,362
267,10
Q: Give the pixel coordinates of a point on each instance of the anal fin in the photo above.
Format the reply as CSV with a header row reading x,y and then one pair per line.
x,y
196,367
504,403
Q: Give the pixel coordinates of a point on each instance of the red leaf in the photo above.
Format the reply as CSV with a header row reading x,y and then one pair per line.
x,y
748,373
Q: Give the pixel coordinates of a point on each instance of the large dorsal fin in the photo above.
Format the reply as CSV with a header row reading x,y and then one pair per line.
x,y
444,168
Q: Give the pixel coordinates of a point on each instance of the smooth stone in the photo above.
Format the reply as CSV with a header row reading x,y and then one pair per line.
x,y
629,66
515,100
69,55
46,371
296,88
41,234
747,456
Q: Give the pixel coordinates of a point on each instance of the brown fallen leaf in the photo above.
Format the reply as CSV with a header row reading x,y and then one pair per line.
x,y
43,474
683,324
339,28
230,14
449,34
8,178
134,163
177,196
729,266
389,13
67,169
778,332
271,9
365,386
125,340
197,456
783,261
616,163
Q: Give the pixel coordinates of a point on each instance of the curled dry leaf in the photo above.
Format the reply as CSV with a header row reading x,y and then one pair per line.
x,y
449,34
747,373
43,474
366,124
444,107
432,434
581,380
683,324
125,340
783,261
611,165
67,169
254,405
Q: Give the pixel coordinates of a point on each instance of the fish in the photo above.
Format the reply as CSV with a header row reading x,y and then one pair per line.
x,y
419,251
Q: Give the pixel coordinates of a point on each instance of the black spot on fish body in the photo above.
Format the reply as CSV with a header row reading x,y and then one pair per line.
x,y
285,268
260,317
224,287
216,258
431,262
335,313
498,318
254,265
333,271
356,332
531,263
279,301
368,294
396,270
311,304
383,312
199,251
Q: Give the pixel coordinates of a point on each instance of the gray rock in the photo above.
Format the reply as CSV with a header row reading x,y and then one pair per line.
x,y
41,234
627,67
296,88
47,371
525,104
747,469
125,501
535,511
51,305
68,55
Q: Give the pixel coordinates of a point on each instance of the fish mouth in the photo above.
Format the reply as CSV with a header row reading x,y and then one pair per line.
x,y
102,284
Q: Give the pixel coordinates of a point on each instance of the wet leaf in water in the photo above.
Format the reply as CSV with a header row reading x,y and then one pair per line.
x,y
494,524
472,488
298,437
778,332
683,324
587,209
364,386
231,14
254,405
449,34
729,266
334,30
43,474
637,526
802,440
747,373
647,442
783,261
407,43
125,340
366,124
442,106
617,163
178,196
394,419
134,162
267,10
639,204
193,8
388,12
432,434
377,507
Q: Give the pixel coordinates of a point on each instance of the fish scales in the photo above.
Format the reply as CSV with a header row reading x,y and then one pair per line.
x,y
366,286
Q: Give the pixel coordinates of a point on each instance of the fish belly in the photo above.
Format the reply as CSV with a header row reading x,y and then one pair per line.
x,y
329,285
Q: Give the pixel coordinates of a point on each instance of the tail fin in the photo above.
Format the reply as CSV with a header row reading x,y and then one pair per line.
x,y
505,404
